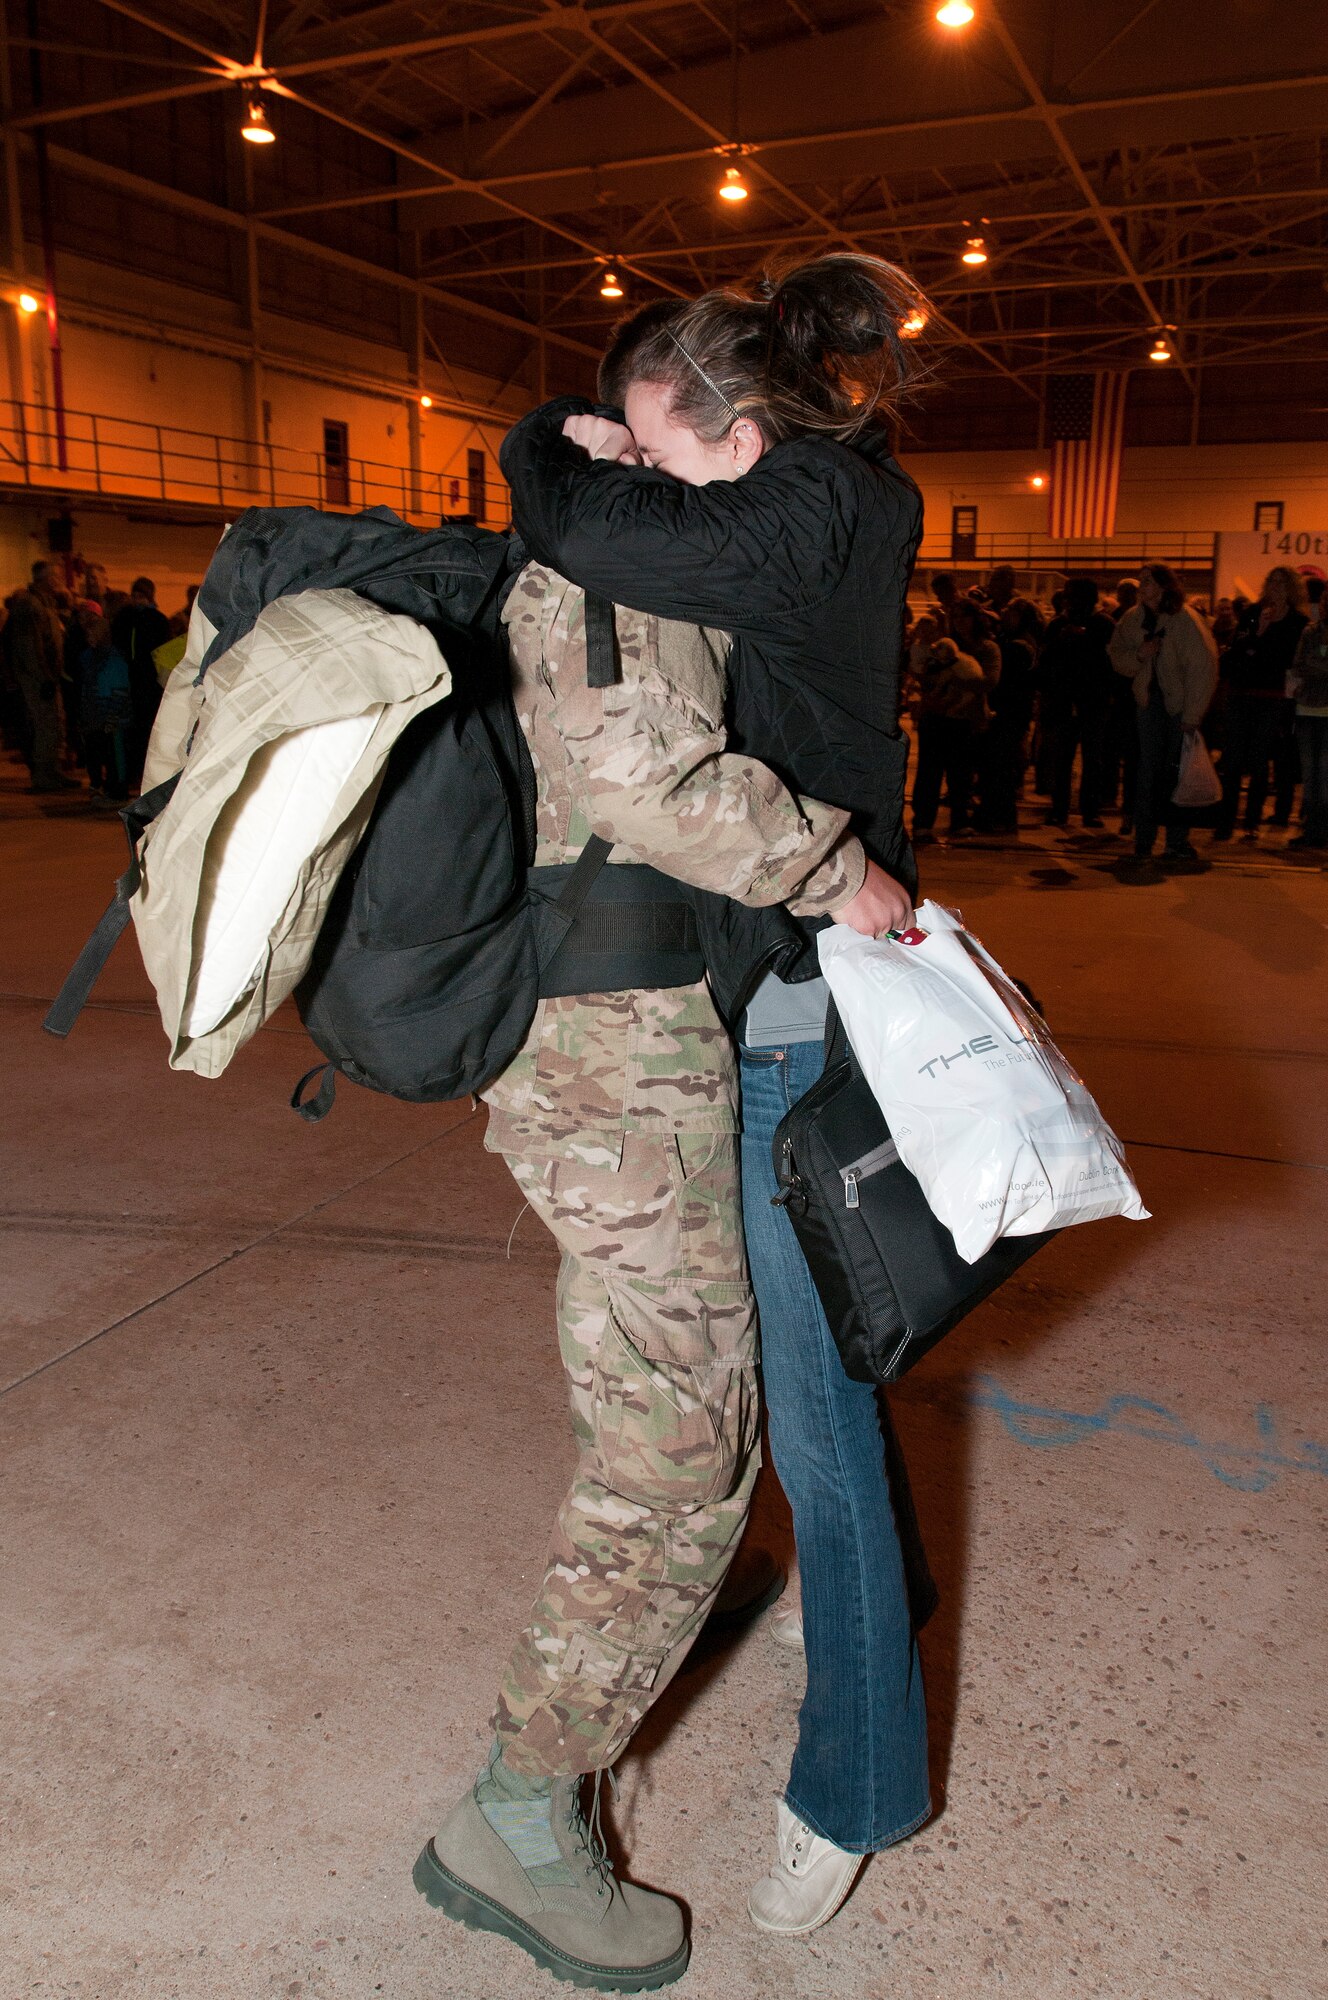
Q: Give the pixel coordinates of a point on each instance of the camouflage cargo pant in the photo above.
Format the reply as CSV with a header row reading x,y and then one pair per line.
x,y
657,1328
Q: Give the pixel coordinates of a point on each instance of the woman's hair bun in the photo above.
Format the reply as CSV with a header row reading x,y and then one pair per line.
x,y
816,349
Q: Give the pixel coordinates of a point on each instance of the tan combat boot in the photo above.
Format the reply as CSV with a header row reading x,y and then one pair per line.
x,y
569,1911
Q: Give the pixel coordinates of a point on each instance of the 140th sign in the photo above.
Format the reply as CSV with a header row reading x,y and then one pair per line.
x,y
1244,560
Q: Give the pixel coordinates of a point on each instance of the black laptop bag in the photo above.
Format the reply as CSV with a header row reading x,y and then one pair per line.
x,y
888,1273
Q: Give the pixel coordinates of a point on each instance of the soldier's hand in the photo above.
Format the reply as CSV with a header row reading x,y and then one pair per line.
x,y
880,905
603,439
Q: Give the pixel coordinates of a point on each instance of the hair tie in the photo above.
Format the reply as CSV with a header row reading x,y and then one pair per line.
x,y
779,310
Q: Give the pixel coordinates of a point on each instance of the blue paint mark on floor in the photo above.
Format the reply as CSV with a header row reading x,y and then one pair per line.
x,y
1247,1468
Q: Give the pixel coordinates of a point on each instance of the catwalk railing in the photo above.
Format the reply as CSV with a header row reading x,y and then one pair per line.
x,y
124,458
1189,549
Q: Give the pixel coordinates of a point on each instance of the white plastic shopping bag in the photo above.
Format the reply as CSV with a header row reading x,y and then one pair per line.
x,y
1001,1133
1198,783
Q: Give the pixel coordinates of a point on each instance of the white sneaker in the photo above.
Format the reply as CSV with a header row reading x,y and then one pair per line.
x,y
808,1882
786,1617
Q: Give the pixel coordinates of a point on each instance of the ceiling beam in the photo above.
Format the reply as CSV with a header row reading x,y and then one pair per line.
x,y
1048,115
163,28
458,183
907,128
741,246
206,211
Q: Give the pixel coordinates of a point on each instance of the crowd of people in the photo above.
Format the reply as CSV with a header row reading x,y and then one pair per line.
x,y
1007,696
1000,690
81,672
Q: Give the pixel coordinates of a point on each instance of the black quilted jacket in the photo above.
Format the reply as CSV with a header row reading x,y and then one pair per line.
x,y
806,562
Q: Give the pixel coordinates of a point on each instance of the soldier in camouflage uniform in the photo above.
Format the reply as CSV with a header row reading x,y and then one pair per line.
x,y
619,1122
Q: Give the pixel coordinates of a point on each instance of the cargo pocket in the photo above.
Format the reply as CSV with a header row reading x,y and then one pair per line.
x,y
581,1061
675,1392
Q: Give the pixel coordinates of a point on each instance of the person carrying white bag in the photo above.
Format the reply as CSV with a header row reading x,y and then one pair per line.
x,y
999,1130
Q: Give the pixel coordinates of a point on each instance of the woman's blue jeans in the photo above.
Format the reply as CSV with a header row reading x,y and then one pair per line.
x,y
859,1774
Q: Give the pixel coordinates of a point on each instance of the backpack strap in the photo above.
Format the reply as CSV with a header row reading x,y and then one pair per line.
x,y
582,878
836,1041
603,665
87,969
314,1109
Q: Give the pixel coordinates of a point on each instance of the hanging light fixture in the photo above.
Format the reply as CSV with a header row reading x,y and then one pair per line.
x,y
1161,348
611,288
954,14
912,324
255,127
733,187
28,303
974,251
426,402
1038,481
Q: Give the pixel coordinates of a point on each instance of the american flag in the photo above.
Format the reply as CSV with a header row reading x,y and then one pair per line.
x,y
1087,415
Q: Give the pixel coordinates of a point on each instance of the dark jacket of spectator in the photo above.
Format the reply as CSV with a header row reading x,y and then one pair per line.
x,y
1258,662
1076,670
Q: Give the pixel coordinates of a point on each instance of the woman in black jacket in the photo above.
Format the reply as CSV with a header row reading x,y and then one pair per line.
x,y
754,488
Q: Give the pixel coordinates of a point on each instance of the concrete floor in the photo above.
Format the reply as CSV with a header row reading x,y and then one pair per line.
x,y
282,1437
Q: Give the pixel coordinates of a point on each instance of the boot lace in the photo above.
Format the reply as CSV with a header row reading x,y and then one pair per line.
x,y
589,1831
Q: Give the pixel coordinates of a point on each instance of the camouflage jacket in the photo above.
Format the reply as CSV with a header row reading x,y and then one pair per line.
x,y
644,765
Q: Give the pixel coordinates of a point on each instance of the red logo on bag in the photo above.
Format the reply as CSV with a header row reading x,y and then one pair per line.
x,y
909,937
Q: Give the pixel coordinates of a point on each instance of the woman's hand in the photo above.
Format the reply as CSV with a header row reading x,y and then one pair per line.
x,y
880,905
602,438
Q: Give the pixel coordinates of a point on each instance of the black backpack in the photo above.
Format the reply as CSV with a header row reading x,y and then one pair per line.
x,y
434,952
441,936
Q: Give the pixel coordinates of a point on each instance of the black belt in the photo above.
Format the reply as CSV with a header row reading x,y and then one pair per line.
x,y
629,927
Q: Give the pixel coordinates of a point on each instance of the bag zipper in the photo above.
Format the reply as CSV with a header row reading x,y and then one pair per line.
x,y
863,1169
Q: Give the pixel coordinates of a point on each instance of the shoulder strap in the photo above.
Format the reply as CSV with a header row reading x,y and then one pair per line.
x,y
836,1041
603,666
87,969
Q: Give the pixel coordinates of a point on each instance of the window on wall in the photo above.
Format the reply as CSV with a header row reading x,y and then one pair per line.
x,y
1268,516
336,464
476,480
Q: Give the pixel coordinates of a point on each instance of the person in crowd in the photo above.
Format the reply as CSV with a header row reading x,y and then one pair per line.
x,y
56,605
33,659
180,619
1168,656
1124,598
952,715
1003,591
945,590
974,633
13,710
1002,585
1309,687
1042,739
137,630
1003,747
925,628
105,706
1075,688
773,508
1259,715
1121,755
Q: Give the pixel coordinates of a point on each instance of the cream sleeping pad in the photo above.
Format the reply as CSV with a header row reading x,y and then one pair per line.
x,y
288,735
